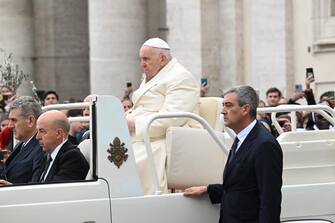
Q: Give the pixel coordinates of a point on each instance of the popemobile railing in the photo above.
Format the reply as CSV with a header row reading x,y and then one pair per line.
x,y
321,109
77,105
202,121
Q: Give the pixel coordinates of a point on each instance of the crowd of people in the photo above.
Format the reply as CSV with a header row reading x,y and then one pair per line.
x,y
304,120
47,149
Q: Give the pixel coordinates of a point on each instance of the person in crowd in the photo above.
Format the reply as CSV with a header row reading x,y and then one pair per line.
x,y
330,96
262,117
50,98
127,104
5,140
64,161
283,101
167,87
284,121
85,132
316,121
128,90
6,146
23,164
3,121
204,90
273,96
252,178
307,93
75,127
6,97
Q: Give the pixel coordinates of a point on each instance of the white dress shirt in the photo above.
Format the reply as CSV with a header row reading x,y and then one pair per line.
x,y
244,133
53,156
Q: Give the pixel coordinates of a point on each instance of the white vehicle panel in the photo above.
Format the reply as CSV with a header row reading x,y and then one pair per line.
x,y
165,208
66,202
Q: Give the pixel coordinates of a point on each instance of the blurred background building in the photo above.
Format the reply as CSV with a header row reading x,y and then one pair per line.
x,y
77,47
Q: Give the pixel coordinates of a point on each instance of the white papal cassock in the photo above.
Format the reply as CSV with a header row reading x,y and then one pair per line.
x,y
173,89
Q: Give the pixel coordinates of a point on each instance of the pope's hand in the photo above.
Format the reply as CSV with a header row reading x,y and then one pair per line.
x,y
131,123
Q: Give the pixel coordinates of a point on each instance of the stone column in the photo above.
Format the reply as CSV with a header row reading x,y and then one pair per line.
x,y
117,30
184,35
231,33
61,45
210,36
17,31
267,41
156,19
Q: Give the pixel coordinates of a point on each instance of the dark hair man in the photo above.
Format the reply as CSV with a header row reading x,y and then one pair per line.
x,y
273,96
252,178
23,164
50,98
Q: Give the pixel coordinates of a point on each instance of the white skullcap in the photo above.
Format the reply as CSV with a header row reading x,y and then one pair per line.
x,y
157,43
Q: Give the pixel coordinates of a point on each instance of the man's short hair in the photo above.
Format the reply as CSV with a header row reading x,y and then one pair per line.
x,y
246,95
74,113
50,92
27,105
274,90
328,94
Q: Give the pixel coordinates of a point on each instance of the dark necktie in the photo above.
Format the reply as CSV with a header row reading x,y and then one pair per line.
x,y
19,148
233,150
47,164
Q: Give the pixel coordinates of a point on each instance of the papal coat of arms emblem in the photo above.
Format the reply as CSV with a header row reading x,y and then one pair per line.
x,y
118,153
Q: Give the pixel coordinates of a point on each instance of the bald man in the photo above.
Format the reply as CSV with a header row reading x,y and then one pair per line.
x,y
167,87
64,161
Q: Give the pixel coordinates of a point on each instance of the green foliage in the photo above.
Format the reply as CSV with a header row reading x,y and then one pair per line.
x,y
10,72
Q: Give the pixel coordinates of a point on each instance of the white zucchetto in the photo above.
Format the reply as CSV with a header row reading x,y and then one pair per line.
x,y
157,43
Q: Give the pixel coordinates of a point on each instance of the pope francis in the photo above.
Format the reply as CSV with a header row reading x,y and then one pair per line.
x,y
167,87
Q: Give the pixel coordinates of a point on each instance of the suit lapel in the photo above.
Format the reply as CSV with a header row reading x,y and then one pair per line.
x,y
54,167
20,154
13,156
27,149
146,86
242,152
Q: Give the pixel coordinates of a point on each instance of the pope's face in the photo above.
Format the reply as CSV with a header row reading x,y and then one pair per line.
x,y
151,61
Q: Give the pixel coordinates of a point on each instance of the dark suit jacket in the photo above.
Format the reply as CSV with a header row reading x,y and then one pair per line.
x,y
251,189
23,166
69,165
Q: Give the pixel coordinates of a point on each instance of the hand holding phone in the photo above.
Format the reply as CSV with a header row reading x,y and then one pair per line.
x,y
204,82
310,74
298,88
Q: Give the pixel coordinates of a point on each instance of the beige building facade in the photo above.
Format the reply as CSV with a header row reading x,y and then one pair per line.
x,y
79,47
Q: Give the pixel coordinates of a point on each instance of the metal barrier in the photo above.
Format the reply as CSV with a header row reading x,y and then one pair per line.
x,y
77,105
293,109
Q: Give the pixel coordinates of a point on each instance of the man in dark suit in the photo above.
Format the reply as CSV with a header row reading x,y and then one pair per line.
x,y
24,162
64,161
252,178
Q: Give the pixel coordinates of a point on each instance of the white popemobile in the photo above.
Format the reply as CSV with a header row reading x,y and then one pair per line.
x,y
112,191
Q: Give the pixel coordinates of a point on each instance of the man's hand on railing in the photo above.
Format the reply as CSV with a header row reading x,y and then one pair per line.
x,y
195,191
